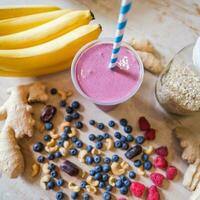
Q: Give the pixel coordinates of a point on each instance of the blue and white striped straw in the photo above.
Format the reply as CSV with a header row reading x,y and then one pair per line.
x,y
122,21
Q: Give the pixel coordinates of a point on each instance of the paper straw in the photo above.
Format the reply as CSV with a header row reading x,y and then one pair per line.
x,y
122,21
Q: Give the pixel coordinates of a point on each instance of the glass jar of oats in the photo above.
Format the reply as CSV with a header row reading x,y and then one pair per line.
x,y
178,87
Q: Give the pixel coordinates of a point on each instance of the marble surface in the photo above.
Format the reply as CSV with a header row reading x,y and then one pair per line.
x,y
170,25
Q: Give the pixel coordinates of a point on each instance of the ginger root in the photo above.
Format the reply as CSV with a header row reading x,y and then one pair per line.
x,y
17,114
142,45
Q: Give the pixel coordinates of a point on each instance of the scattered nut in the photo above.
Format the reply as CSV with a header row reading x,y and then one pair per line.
x,y
69,93
54,134
51,143
112,180
72,186
124,165
92,182
91,189
81,155
66,144
141,171
45,168
63,151
96,152
149,150
116,169
84,174
62,94
73,132
51,149
109,143
44,180
35,169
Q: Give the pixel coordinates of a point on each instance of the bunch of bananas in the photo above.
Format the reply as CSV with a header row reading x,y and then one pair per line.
x,y
39,40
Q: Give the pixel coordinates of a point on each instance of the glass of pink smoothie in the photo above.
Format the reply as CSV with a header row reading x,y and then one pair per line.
x,y
103,86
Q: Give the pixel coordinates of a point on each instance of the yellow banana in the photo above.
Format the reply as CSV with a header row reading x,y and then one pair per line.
x,y
17,11
14,25
50,53
47,31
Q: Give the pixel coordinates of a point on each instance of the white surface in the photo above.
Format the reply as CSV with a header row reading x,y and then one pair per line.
x,y
170,25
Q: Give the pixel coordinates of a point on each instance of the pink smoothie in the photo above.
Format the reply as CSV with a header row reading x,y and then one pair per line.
x,y
102,84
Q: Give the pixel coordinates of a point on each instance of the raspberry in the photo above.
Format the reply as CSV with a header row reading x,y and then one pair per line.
x,y
162,151
152,193
157,179
160,162
150,134
143,124
171,172
137,189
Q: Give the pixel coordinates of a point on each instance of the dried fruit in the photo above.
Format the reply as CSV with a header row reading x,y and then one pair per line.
x,y
162,151
157,179
143,124
69,168
137,189
134,151
48,113
152,193
171,172
160,162
150,134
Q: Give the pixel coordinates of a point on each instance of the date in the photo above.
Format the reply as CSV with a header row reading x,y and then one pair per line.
x,y
69,168
48,113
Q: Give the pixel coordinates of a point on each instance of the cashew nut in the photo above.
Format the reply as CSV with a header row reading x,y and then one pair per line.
x,y
73,132
69,93
92,182
109,143
81,155
64,124
112,180
84,174
54,134
44,180
124,165
96,152
141,171
63,151
35,170
51,149
149,150
72,186
116,169
51,143
45,168
66,144
91,189
62,94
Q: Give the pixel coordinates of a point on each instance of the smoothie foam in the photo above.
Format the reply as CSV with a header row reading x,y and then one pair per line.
x,y
102,84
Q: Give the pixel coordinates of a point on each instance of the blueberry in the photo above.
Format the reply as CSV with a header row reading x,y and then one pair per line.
x,y
74,195
68,118
64,136
101,184
75,104
117,135
108,188
98,168
97,176
54,174
40,159
89,160
118,144
38,147
89,148
100,137
92,122
92,137
60,182
128,129
79,144
60,142
125,146
99,145
115,158
69,110
111,123
122,178
74,139
127,183
129,138
73,151
137,163
67,129
83,184
48,126
106,196
53,91
51,166
147,165
145,157
107,160
100,126
86,196
75,115
123,122
97,159
132,174
57,154
47,138
62,103
105,177
123,139
50,184
92,172
123,190
139,140
60,196
106,168
118,183
79,125
106,135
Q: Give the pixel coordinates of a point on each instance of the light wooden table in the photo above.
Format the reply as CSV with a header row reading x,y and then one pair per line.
x,y
170,25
